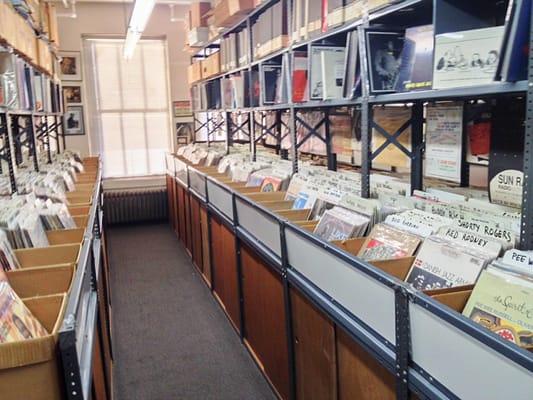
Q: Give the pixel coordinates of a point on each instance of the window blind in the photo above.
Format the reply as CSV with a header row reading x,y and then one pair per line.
x,y
128,106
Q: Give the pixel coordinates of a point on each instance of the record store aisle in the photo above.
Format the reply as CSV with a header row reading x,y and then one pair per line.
x,y
172,340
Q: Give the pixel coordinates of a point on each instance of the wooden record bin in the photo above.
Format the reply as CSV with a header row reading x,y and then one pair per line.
x,y
182,198
265,330
171,197
319,322
329,364
196,232
225,277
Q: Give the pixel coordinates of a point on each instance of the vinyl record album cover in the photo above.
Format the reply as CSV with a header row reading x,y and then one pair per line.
x,y
16,321
466,58
271,184
416,60
384,56
503,303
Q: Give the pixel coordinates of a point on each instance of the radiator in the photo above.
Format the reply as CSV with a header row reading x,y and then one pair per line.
x,y
131,206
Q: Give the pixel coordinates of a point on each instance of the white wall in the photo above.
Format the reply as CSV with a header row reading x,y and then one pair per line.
x,y
112,19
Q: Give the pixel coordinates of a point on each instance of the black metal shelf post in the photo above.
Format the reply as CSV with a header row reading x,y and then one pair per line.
x,y
366,113
5,150
526,231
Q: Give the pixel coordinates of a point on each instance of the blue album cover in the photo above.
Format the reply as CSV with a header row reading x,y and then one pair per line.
x,y
416,60
519,40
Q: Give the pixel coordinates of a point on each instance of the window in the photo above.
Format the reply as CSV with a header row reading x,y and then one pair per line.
x,y
128,106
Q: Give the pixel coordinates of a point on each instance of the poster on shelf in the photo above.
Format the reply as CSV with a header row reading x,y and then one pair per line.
x,y
444,141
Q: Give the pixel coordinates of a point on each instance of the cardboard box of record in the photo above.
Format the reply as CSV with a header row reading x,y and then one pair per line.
x,y
44,56
197,36
353,9
228,12
31,369
211,65
53,33
8,23
197,14
194,72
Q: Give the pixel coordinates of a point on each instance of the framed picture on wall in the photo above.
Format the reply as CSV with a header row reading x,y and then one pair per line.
x,y
73,121
72,94
182,108
70,65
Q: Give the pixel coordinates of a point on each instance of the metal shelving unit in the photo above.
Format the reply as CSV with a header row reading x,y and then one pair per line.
x,y
395,335
366,101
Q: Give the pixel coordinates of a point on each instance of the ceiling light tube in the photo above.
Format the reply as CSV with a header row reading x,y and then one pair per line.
x,y
139,18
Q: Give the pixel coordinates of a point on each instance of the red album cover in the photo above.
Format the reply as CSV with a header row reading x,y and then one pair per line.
x,y
299,78
479,135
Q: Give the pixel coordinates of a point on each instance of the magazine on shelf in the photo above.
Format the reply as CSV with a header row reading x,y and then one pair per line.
x,y
416,60
466,58
503,303
383,54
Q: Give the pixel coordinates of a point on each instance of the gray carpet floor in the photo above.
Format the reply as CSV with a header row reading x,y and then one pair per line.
x,y
171,339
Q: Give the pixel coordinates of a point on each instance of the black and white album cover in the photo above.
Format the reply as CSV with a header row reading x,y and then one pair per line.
x,y
384,54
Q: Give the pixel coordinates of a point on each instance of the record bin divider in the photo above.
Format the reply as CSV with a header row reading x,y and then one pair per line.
x,y
435,358
220,198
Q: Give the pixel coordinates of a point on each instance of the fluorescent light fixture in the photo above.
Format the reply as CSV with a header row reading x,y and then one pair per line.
x,y
139,18
129,44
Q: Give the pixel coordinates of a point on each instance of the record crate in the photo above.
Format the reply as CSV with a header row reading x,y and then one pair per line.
x,y
31,369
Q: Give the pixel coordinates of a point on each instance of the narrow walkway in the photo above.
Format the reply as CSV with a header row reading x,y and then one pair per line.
x,y
171,339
